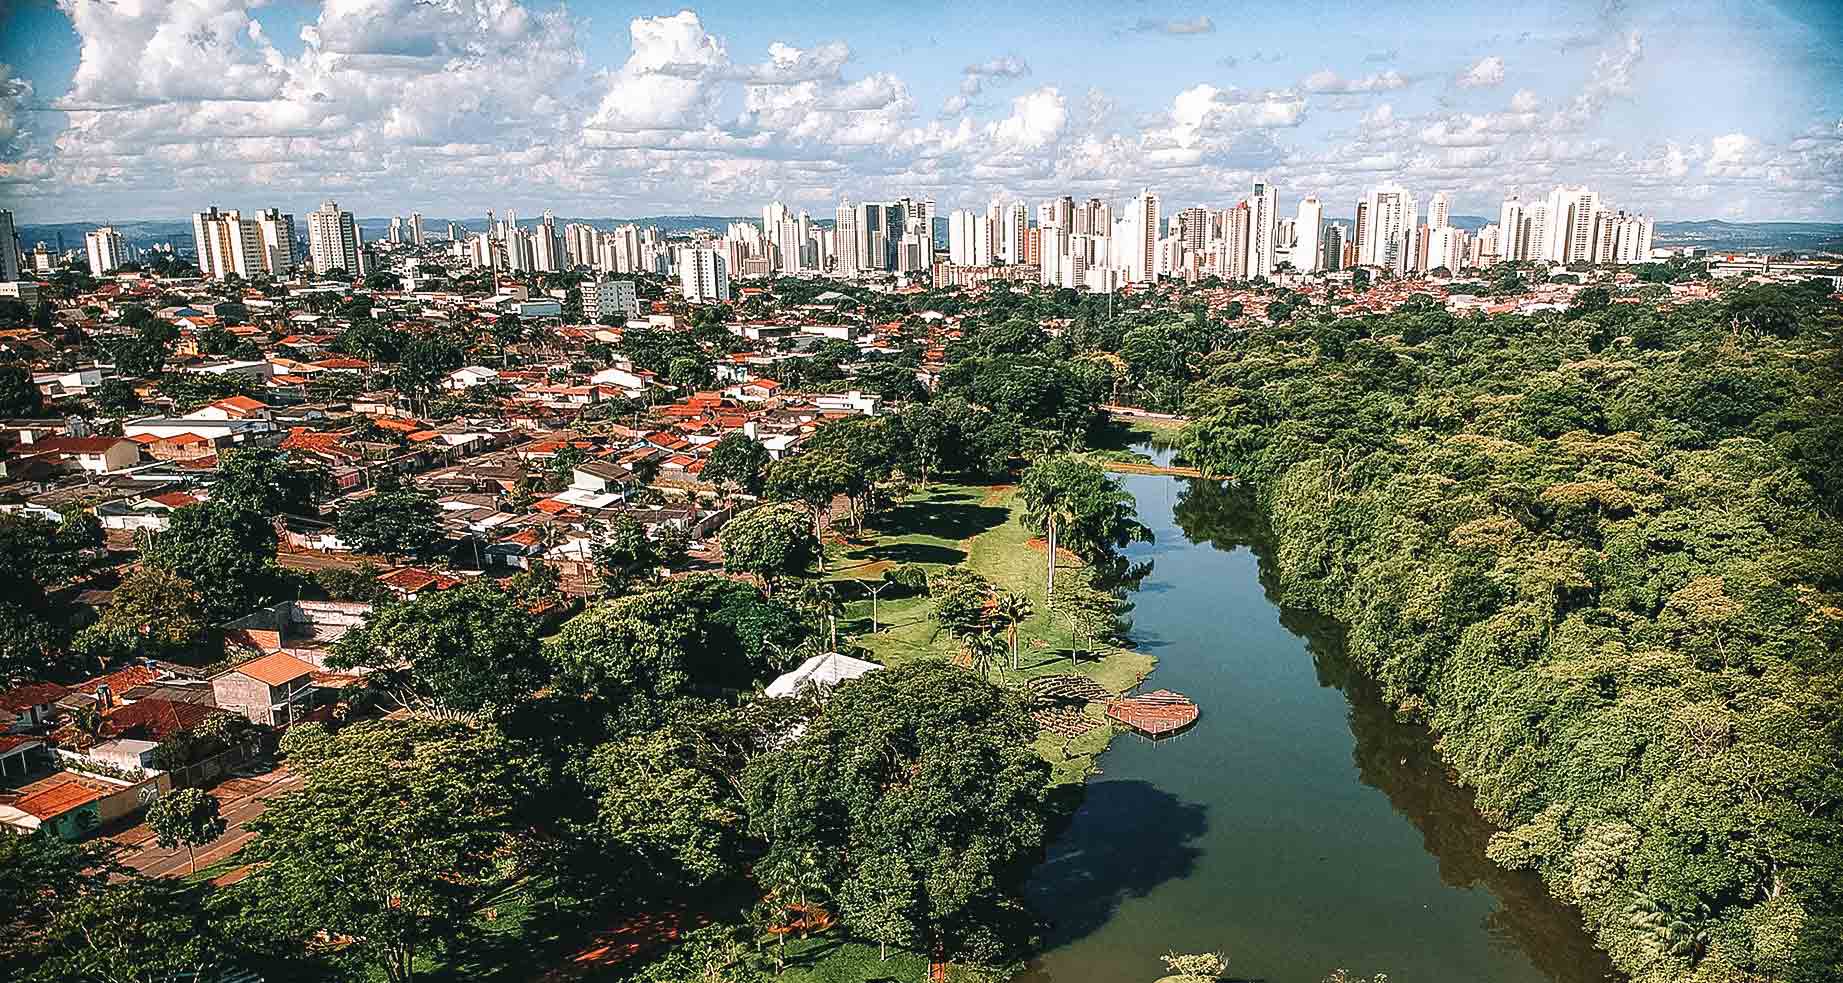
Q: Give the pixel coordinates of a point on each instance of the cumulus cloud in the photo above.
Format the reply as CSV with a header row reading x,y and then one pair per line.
x,y
1036,120
460,102
1328,81
974,77
1484,73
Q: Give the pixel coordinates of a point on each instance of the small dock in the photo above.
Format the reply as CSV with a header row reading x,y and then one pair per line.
x,y
1157,714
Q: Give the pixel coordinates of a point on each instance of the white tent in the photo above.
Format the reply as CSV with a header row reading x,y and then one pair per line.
x,y
821,671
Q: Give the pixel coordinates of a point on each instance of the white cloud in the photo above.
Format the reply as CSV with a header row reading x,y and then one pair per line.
x,y
1327,80
1036,120
1484,73
1192,27
973,80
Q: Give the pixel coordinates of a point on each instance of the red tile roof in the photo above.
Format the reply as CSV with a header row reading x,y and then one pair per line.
x,y
30,695
157,718
276,668
55,800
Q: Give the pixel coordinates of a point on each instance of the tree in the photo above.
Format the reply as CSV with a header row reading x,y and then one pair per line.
x,y
881,900
1012,610
666,818
769,542
269,480
162,612
392,841
35,556
813,480
396,519
696,633
739,463
225,550
472,648
625,554
19,397
185,817
919,763
1076,504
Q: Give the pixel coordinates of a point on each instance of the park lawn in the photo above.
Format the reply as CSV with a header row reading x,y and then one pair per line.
x,y
981,526
828,958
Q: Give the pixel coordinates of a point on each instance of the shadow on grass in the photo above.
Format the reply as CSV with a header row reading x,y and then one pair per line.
x,y
943,517
911,553
1128,838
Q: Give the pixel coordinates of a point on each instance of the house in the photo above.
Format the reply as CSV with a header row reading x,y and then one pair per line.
x,y
97,455
28,707
850,402
306,630
407,582
73,805
470,376
232,408
600,476
73,383
271,690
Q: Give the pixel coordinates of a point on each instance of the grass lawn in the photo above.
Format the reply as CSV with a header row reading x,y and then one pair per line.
x,y
977,525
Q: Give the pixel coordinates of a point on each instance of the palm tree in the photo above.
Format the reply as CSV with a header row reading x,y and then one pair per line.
x,y
1049,505
819,599
985,648
1012,608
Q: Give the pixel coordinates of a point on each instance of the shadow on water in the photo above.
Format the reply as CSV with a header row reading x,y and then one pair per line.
x,y
1145,836
1400,760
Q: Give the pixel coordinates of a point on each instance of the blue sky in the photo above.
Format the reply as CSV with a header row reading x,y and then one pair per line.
x,y
131,109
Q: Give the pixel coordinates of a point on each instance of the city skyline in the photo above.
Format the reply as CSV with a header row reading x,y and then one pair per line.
x,y
391,106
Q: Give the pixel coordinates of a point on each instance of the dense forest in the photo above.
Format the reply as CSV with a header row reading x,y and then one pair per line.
x,y
1600,554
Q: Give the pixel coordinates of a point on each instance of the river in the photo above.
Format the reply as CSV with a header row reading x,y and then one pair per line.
x,y
1297,827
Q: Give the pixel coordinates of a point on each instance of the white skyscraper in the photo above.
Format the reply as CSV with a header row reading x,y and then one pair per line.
x,y
1510,226
1390,217
105,248
332,240
1138,239
846,224
703,275
1568,234
276,229
1263,217
969,239
1439,210
1308,229
228,243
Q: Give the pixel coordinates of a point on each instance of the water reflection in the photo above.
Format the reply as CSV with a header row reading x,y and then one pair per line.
x,y
1400,760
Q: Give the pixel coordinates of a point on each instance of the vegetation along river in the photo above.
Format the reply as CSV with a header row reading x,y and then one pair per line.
x,y
1297,827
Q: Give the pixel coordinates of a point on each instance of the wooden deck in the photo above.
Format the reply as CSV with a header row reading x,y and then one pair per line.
x,y
1157,714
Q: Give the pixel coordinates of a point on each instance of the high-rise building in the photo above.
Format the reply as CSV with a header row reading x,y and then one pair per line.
x,y
1236,233
1359,239
1439,210
1510,224
276,229
1263,209
609,298
9,247
1307,235
1332,252
416,228
105,249
1139,234
228,243
332,240
969,239
1568,235
703,275
1389,240
846,223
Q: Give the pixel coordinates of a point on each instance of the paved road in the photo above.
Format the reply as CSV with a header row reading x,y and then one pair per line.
x,y
240,799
